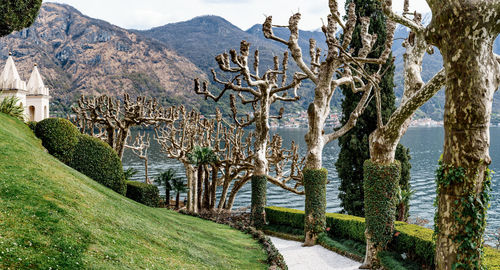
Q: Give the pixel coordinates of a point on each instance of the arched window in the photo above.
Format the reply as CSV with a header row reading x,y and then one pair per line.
x,y
45,112
32,113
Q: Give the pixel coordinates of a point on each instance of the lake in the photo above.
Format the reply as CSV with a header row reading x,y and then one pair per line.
x,y
425,145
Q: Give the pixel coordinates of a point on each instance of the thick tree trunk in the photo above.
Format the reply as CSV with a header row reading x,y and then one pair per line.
x,y
213,188
192,187
259,178
121,140
225,188
315,197
464,32
167,198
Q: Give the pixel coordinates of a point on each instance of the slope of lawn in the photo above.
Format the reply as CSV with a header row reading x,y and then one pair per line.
x,y
52,217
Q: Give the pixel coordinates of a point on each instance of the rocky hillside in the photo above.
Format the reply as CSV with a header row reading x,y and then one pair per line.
x,y
81,55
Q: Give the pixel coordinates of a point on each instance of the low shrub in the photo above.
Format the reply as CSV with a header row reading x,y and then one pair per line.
x,y
31,125
413,240
143,193
97,160
59,136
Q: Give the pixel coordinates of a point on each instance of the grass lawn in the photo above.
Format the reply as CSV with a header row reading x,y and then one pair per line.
x,y
52,217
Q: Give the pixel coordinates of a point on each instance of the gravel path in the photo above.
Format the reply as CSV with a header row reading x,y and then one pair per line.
x,y
317,257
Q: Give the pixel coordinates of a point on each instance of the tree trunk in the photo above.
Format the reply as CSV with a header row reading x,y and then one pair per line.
x,y
315,197
225,188
206,191
200,186
259,178
380,184
213,187
177,199
146,180
465,41
192,188
167,198
121,140
234,191
315,208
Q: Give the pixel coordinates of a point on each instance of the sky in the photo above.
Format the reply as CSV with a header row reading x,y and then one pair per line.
x,y
145,14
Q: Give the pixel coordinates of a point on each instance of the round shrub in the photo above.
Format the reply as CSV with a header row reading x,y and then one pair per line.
x,y
59,136
97,160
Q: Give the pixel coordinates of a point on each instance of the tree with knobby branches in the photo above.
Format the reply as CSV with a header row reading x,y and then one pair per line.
x,y
464,32
17,14
234,166
114,119
338,67
139,147
260,91
354,149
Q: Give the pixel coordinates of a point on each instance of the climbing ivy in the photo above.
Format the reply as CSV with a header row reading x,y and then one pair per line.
x,y
381,187
315,189
259,188
470,213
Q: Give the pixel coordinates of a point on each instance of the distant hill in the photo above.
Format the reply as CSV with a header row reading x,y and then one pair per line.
x,y
81,55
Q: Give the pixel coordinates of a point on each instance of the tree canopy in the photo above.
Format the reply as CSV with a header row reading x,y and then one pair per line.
x,y
17,14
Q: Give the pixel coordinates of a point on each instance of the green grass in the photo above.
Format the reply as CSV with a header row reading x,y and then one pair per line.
x,y
51,216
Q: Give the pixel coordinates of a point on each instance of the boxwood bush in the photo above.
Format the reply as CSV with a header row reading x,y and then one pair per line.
x,y
415,241
143,193
59,136
97,160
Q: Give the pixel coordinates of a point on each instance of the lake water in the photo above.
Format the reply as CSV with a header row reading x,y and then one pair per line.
x,y
425,147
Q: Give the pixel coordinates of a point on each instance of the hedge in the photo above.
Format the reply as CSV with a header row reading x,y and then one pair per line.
x,y
415,241
97,160
143,193
59,136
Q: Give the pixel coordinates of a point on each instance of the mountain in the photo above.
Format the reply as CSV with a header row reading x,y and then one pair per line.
x,y
78,55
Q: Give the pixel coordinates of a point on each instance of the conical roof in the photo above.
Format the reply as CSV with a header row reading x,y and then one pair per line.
x,y
35,84
10,78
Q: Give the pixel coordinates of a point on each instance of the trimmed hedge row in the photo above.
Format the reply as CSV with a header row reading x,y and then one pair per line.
x,y
143,193
414,240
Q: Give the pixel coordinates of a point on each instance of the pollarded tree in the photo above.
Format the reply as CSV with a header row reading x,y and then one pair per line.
x,y
17,14
115,118
382,172
139,147
464,32
354,149
339,67
261,91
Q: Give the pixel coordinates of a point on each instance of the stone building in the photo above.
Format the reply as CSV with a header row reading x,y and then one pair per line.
x,y
33,97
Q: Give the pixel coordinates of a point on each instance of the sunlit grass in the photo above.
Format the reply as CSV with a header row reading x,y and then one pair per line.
x,y
54,217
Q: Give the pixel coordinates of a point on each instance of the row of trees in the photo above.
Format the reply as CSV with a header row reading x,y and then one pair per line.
x,y
463,31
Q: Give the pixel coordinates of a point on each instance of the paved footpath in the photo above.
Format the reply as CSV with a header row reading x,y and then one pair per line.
x,y
317,257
